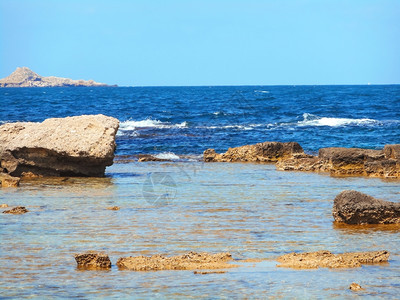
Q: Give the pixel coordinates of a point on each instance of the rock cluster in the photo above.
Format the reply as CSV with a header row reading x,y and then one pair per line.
x,y
325,259
348,162
352,207
188,261
337,161
72,146
93,260
24,77
262,152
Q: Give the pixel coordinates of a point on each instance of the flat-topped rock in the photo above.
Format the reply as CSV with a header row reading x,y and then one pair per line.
x,y
92,260
353,207
188,261
72,146
262,152
24,77
326,259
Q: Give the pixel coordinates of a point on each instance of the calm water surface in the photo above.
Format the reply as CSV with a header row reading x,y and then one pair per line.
x,y
250,210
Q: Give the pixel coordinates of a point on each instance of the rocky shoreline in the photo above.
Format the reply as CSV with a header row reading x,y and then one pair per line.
x,y
335,161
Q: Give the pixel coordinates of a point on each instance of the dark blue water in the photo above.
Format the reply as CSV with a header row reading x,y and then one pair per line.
x,y
188,120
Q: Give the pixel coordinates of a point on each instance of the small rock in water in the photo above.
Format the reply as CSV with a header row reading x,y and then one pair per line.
x,y
93,260
355,287
3,205
113,208
16,210
8,181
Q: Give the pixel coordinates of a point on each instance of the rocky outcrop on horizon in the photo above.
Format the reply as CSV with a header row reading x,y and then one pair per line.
x,y
72,146
24,77
353,207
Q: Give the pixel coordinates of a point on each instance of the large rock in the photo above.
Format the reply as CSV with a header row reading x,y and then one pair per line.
x,y
262,152
72,146
352,207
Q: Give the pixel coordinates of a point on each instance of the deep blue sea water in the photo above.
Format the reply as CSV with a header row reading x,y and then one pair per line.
x,y
188,120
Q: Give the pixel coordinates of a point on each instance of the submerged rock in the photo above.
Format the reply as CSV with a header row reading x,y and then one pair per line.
x,y
93,260
261,152
188,261
19,210
325,259
8,181
4,205
149,157
352,207
355,287
72,146
113,208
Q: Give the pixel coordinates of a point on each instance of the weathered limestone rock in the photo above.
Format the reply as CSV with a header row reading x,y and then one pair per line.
x,y
325,259
262,152
19,210
4,205
8,181
352,207
348,162
24,77
72,146
93,260
188,261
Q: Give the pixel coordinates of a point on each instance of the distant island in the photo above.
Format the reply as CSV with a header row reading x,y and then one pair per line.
x,y
25,77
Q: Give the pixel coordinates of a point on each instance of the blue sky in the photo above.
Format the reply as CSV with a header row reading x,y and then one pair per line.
x,y
208,42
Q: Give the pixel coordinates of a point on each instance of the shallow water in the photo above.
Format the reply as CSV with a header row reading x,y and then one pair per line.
x,y
250,210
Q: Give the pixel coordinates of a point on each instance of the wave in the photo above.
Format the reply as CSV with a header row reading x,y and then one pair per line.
x,y
259,91
313,120
167,155
149,123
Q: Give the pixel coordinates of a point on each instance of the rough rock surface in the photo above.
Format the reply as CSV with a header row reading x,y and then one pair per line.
x,y
24,77
348,162
355,287
8,181
262,152
352,207
188,261
72,146
149,157
325,259
93,260
19,210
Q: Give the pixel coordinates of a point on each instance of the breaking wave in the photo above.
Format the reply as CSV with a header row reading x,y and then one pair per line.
x,y
149,123
167,155
313,120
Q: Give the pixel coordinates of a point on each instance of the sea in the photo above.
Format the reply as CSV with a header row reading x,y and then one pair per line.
x,y
251,210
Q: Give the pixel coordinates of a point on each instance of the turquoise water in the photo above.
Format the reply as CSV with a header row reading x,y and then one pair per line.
x,y
250,210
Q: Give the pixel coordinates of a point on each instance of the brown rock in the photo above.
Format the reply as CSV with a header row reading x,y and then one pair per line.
x,y
93,260
355,287
24,77
113,208
301,162
148,157
19,210
3,205
72,146
261,152
392,151
188,261
325,259
8,181
352,207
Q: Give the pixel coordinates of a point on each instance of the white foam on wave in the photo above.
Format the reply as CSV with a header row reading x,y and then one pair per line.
x,y
312,120
259,91
238,127
149,123
167,155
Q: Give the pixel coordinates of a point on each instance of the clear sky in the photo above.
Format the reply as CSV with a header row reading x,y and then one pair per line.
x,y
204,42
